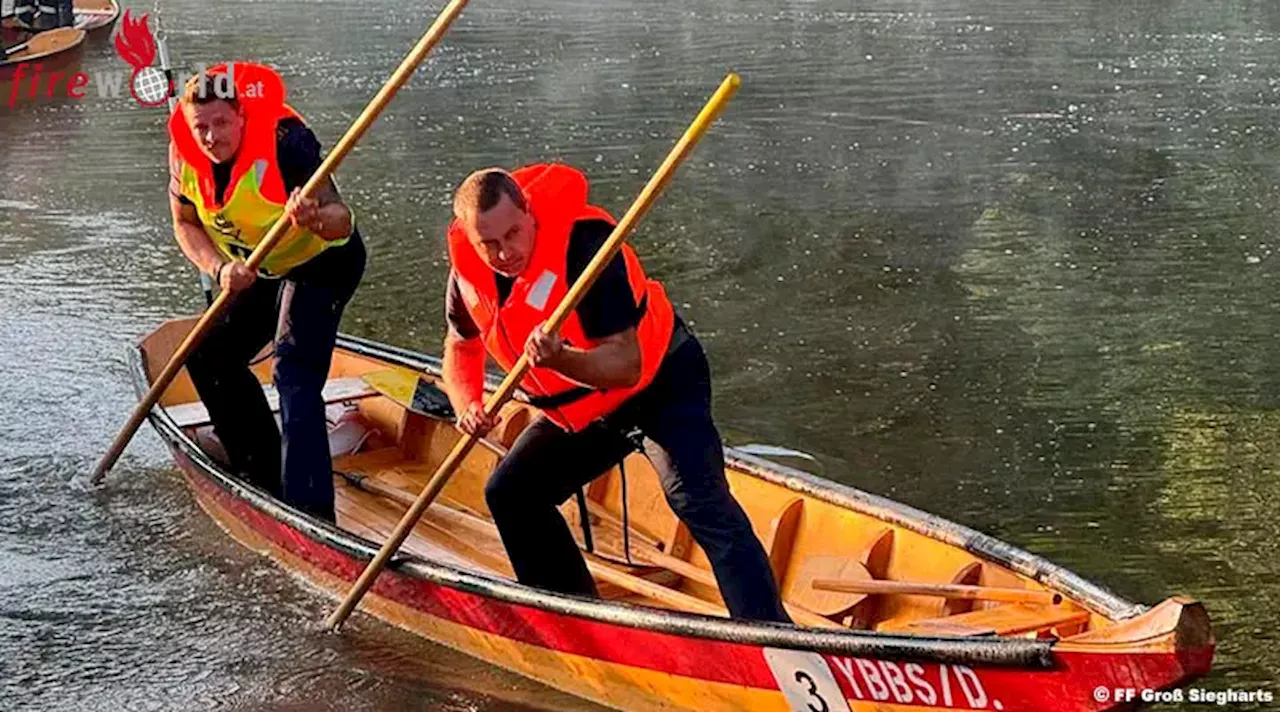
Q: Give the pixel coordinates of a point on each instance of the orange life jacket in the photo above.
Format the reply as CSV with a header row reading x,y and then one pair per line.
x,y
557,196
255,195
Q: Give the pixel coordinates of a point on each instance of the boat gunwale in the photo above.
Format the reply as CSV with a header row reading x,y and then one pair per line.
x,y
999,652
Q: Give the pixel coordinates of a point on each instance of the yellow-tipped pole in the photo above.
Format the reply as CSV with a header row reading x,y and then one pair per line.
x,y
714,106
278,230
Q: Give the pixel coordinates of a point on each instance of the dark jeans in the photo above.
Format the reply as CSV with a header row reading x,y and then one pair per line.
x,y
302,312
45,14
546,465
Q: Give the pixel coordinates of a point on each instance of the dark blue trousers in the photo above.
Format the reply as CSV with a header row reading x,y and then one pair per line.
x,y
301,311
547,464
44,14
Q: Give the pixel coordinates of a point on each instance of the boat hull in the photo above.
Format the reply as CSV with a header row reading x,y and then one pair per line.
x,y
55,51
636,658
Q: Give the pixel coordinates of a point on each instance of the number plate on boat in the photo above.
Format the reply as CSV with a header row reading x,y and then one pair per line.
x,y
806,681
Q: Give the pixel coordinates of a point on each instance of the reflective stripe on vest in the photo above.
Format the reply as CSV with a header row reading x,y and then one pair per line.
x,y
556,195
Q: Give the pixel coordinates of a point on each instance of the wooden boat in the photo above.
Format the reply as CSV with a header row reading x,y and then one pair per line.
x,y
96,16
54,49
897,609
93,16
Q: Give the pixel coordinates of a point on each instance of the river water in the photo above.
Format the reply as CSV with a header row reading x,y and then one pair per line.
x,y
1009,262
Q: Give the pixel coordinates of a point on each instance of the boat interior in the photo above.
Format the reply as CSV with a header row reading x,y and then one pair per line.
x,y
838,568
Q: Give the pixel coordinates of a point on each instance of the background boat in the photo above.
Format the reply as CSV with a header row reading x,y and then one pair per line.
x,y
55,49
96,16
93,16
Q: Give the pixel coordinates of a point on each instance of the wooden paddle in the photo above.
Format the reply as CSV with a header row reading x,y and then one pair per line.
x,y
278,230
589,275
941,590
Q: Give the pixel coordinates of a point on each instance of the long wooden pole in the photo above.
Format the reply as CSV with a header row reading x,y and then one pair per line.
x,y
278,230
647,197
941,590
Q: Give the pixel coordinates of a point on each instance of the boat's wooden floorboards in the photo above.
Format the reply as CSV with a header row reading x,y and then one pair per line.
x,y
450,533
373,517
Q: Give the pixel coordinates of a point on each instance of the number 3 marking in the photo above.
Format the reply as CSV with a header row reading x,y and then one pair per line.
x,y
802,676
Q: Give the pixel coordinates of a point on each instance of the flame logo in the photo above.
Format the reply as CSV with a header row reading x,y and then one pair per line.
x,y
134,42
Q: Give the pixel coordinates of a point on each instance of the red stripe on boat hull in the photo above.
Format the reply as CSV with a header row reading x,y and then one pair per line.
x,y
1071,686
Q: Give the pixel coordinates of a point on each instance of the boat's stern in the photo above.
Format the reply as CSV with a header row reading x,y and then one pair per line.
x,y
1126,663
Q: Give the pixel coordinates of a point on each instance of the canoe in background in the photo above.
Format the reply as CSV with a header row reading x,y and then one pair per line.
x,y
93,16
96,16
1012,632
54,49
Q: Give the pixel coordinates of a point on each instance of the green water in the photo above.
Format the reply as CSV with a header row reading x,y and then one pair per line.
x,y
1009,262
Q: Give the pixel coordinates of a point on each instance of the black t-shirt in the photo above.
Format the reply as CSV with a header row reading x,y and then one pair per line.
x,y
608,308
297,154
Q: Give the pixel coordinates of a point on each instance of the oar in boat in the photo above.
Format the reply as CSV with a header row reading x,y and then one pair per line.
x,y
940,590
281,226
588,277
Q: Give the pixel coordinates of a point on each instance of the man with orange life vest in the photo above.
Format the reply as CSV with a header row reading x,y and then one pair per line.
x,y
237,161
623,364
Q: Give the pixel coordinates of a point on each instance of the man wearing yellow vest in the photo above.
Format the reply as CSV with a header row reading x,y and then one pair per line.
x,y
624,371
238,157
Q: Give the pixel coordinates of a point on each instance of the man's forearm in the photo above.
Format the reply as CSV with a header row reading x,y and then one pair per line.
x,y
463,372
609,365
198,248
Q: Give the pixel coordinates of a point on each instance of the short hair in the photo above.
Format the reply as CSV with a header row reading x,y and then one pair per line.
x,y
483,189
199,90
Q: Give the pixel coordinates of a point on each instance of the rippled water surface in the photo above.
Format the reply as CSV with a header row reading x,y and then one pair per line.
x,y
1011,262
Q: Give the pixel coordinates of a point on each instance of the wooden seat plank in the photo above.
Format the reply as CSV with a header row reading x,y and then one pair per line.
x,y
191,415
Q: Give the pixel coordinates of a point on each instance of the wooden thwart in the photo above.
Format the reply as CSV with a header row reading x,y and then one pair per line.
x,y
191,415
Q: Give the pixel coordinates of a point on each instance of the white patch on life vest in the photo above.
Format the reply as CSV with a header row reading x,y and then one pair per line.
x,y
260,169
541,290
468,292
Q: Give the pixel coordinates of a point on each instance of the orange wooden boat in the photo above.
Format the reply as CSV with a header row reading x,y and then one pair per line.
x,y
96,16
54,49
896,609
93,16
